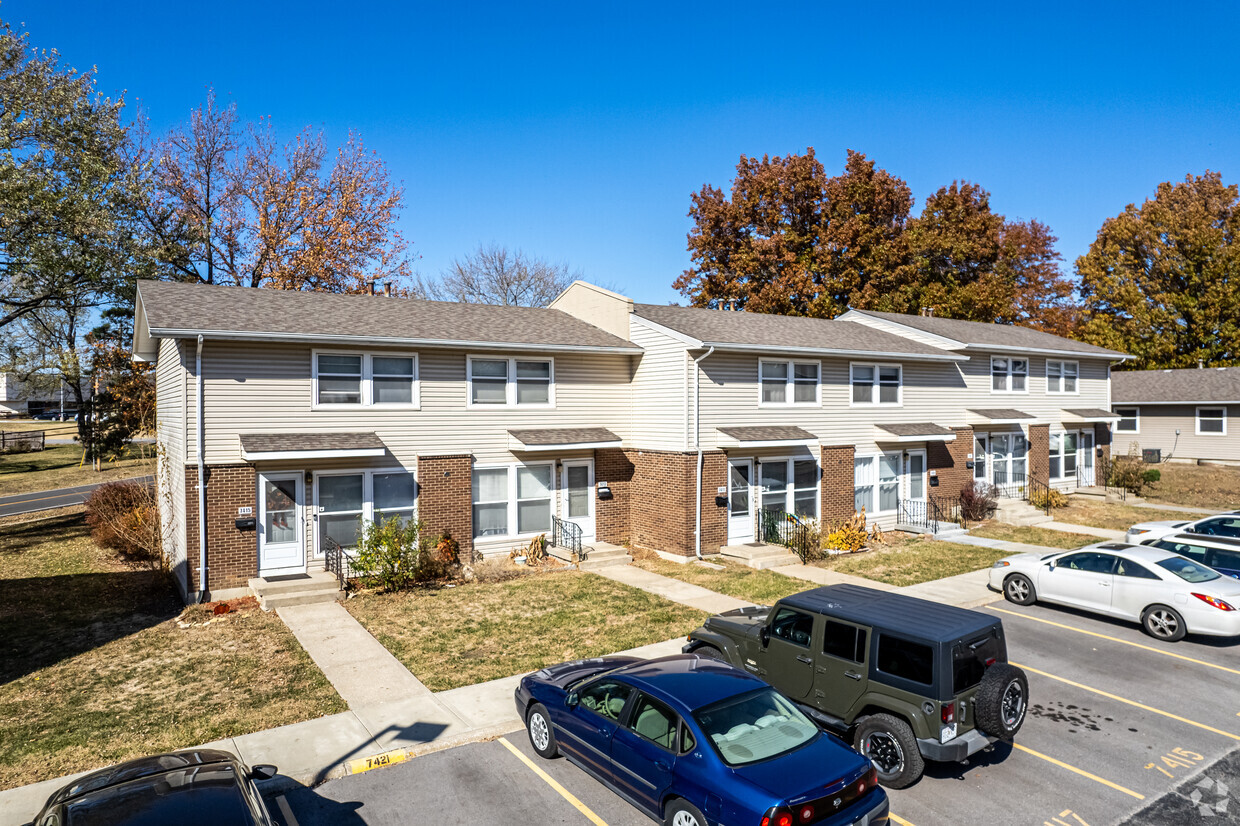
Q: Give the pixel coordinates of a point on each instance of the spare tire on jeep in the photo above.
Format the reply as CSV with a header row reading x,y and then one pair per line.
x,y
1001,701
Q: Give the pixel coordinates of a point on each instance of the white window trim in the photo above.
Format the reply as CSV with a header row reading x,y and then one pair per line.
x,y
510,388
511,467
1061,392
1136,419
790,385
368,493
990,376
367,386
876,481
873,402
1062,454
1197,419
789,497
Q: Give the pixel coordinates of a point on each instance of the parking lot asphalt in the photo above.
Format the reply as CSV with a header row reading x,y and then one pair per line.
x,y
1121,729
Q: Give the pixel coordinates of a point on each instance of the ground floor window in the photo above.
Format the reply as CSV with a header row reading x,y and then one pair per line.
x,y
876,482
789,486
513,496
1211,421
1063,455
346,499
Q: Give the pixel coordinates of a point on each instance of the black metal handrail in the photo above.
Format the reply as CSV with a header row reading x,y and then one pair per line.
x,y
1037,491
791,531
339,561
918,513
567,535
1010,483
1104,469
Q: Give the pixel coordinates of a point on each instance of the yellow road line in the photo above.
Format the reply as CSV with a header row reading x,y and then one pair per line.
x,y
551,781
1081,772
1117,639
1142,706
897,819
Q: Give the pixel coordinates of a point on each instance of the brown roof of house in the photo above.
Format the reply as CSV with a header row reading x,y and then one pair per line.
x,y
1003,413
983,334
176,310
917,429
283,442
564,436
722,328
1213,384
1090,413
768,433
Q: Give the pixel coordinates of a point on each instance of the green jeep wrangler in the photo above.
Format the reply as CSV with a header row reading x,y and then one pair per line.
x,y
910,680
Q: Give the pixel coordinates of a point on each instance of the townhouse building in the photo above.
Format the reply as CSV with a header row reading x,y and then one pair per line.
x,y
677,429
1180,415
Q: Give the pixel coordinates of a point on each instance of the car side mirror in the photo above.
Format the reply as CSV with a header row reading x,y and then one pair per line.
x,y
1050,565
263,771
765,635
572,700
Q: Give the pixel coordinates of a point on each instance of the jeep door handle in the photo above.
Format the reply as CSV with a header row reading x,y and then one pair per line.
x,y
852,675
804,659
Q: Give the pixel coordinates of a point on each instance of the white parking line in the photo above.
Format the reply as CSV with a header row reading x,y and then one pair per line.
x,y
289,820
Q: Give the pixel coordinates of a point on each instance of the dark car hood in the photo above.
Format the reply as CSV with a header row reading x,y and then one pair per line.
x,y
564,673
739,621
810,772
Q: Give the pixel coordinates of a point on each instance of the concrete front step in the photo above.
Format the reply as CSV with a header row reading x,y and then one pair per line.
x,y
760,555
1021,513
597,555
317,587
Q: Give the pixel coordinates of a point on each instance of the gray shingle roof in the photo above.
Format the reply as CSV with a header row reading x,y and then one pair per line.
x,y
1089,413
917,429
283,442
760,330
564,436
768,433
982,334
1002,413
181,310
1214,384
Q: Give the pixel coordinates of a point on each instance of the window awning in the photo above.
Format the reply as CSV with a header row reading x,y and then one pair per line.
x,y
913,432
1088,414
257,447
562,438
765,436
1002,415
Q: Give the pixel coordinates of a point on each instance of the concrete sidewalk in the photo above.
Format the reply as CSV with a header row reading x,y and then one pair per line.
x,y
1068,527
1154,506
675,590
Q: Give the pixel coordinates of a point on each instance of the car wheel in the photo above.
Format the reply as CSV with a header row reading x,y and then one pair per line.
x,y
1018,589
710,653
890,743
1002,700
542,736
683,813
1164,623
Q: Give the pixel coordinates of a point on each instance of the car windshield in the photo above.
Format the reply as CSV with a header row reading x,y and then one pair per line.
x,y
195,796
1188,570
755,726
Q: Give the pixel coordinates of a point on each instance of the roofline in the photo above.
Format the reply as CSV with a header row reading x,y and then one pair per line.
x,y
1008,348
642,321
949,343
1114,401
224,335
829,351
588,285
516,444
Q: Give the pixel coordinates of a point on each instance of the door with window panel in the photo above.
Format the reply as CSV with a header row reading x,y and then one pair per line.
x,y
578,495
740,503
280,548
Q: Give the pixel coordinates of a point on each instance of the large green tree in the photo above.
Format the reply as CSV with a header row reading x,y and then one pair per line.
x,y
1162,280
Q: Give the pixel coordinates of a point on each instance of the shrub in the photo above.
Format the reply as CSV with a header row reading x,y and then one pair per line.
x,y
124,517
1049,498
848,536
1152,476
1130,474
395,553
978,501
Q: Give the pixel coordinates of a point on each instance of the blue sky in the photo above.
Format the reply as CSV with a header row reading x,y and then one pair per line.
x,y
578,131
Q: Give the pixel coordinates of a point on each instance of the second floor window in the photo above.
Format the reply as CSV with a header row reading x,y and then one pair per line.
x,y
1061,376
876,383
1129,420
788,382
505,382
1008,375
378,380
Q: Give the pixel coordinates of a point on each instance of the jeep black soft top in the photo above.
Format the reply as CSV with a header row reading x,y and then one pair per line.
x,y
913,617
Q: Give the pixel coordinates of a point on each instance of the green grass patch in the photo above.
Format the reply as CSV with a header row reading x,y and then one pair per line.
x,y
61,466
98,663
740,581
1033,535
479,631
913,561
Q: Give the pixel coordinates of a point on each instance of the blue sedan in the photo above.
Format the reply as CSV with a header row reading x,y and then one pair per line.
x,y
693,741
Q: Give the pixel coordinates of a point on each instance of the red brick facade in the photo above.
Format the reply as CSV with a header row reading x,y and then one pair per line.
x,y
1040,451
612,516
949,461
232,555
662,513
838,501
446,497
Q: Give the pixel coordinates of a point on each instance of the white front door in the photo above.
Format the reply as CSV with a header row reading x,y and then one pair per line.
x,y
1085,464
577,495
281,549
915,475
740,501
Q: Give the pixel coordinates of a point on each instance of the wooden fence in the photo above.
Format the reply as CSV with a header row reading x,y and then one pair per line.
x,y
21,441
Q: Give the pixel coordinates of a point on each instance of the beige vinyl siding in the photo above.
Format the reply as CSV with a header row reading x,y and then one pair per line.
x,y
170,382
1158,424
268,389
659,392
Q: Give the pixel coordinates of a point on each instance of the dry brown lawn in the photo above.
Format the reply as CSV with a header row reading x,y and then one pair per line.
x,y
98,663
735,580
1112,515
909,560
1196,486
1033,535
61,466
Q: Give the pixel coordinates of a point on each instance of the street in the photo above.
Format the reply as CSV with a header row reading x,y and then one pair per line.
x,y
1117,726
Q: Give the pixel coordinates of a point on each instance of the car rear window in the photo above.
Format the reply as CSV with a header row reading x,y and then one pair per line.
x,y
755,726
970,659
1188,570
198,796
906,659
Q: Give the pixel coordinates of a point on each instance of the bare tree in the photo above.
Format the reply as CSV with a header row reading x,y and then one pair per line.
x,y
493,274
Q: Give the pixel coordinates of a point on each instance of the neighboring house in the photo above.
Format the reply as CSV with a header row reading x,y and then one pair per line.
x,y
1186,415
30,398
661,427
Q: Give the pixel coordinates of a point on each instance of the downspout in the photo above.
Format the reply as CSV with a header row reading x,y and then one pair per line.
x,y
697,437
202,483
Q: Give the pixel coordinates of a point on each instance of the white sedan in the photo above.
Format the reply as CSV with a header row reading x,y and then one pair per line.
x,y
1168,594
1225,524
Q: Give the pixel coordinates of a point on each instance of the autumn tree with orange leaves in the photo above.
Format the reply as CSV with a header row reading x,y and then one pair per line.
x,y
792,240
233,205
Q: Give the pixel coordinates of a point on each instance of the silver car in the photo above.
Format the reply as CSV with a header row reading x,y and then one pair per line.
x,y
1168,594
1224,524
